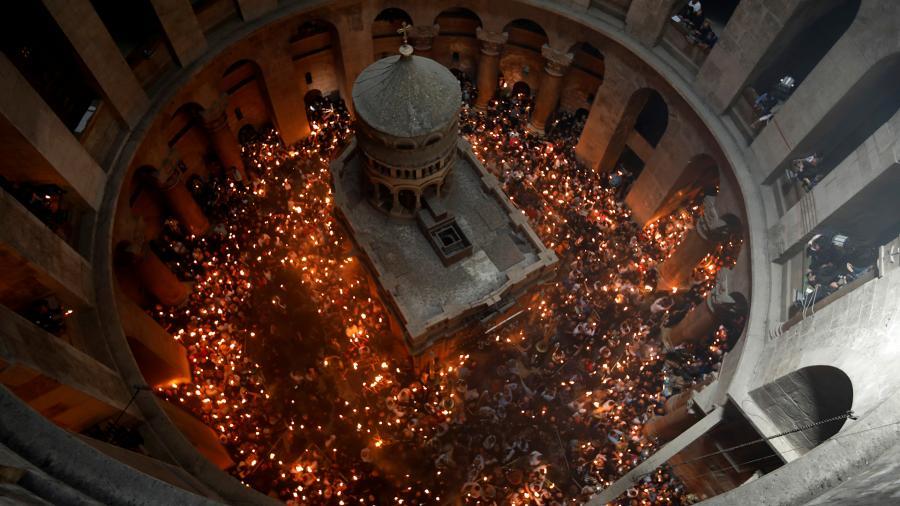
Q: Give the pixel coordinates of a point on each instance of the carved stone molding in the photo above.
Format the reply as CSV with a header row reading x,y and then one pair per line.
x,y
558,61
422,36
491,42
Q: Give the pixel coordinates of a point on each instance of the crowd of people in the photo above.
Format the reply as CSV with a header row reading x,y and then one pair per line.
x,y
698,27
834,260
44,200
295,367
806,171
769,102
48,314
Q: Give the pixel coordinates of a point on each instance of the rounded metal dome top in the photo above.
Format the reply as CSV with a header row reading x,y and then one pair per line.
x,y
406,95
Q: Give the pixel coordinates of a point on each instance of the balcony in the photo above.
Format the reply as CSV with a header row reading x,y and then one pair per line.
x,y
676,41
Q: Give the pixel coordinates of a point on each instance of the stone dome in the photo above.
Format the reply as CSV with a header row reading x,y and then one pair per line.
x,y
406,96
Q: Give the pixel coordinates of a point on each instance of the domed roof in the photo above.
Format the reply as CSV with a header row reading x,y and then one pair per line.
x,y
406,96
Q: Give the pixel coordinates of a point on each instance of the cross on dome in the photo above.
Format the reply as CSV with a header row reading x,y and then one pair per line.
x,y
404,31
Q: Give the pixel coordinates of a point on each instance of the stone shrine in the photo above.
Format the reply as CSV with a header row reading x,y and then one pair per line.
x,y
445,245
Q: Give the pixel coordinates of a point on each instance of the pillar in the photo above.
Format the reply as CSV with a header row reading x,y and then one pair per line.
x,y
675,271
422,38
357,51
555,68
680,414
157,279
46,151
54,377
719,306
667,170
31,251
726,71
639,472
283,89
854,198
201,436
813,118
646,19
252,9
488,65
606,116
179,198
161,358
101,56
698,323
182,30
225,144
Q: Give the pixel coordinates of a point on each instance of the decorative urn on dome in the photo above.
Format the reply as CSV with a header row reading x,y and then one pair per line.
x,y
407,124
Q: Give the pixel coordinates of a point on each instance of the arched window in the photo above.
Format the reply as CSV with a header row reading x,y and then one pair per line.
x,y
246,88
408,200
521,88
458,21
527,34
388,21
185,118
385,197
699,177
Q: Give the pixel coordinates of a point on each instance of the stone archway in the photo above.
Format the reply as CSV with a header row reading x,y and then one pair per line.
x,y
385,197
385,38
521,88
408,200
804,397
646,115
248,97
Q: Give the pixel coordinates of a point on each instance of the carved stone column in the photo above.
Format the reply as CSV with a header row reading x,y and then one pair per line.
x,y
156,278
680,414
422,38
555,68
225,144
598,139
675,271
703,319
488,65
181,28
178,198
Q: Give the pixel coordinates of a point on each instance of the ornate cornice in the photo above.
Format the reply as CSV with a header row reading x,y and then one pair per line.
x,y
215,116
558,61
491,42
422,36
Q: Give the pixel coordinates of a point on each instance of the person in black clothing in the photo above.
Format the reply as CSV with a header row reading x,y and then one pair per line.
x,y
705,37
47,315
806,170
693,13
822,252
